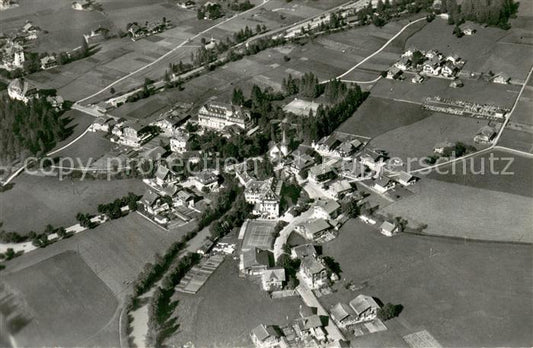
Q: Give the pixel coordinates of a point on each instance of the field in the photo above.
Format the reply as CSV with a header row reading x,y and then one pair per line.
x,y
69,303
378,116
226,309
518,140
36,201
466,212
465,294
418,139
517,183
86,150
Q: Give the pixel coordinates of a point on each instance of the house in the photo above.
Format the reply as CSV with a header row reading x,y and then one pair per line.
x,y
403,64
320,172
150,201
303,251
206,247
163,175
326,209
371,159
327,146
273,278
310,329
432,66
343,315
393,73
440,147
338,188
170,190
184,198
206,180
300,162
218,116
417,78
255,261
365,308
406,179
48,62
313,272
469,31
448,69
501,78
453,58
20,89
456,83
96,36
101,124
256,189
266,336
485,135
410,51
186,4
179,143
160,219
266,202
431,54
130,135
313,229
136,31
383,184
388,229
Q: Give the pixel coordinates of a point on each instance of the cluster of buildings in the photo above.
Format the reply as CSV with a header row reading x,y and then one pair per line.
x,y
137,31
12,55
222,117
429,63
83,5
464,108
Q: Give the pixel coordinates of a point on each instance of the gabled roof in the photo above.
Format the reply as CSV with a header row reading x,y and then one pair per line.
x,y
328,205
149,197
162,172
263,332
388,227
383,181
256,257
341,311
405,177
362,303
274,274
315,226
304,250
312,265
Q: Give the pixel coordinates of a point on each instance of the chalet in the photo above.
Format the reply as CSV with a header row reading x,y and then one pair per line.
x,y
448,69
205,180
218,116
184,198
485,135
101,124
406,179
300,162
48,62
303,251
454,58
313,229
403,64
388,229
255,261
365,308
371,159
432,66
339,188
431,54
187,4
310,329
163,176
314,272
326,209
96,36
343,315
131,136
206,247
266,336
327,146
150,201
383,184
179,143
320,173
347,148
20,89
417,78
393,73
501,78
273,278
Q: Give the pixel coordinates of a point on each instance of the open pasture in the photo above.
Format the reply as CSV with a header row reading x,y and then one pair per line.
x,y
417,140
517,140
462,211
464,293
68,302
511,174
36,201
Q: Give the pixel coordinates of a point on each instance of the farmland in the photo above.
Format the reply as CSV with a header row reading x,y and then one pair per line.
x,y
517,183
481,290
226,309
69,303
36,201
455,210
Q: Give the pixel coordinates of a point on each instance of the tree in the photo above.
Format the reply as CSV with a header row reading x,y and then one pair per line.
x,y
351,208
112,90
238,97
389,311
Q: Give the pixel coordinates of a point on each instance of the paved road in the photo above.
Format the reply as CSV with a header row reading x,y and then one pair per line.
x,y
284,234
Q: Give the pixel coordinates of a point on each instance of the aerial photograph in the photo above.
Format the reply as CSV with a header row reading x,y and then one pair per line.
x,y
266,173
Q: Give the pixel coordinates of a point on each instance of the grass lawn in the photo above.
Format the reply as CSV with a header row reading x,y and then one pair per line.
x,y
518,183
36,201
462,211
226,309
518,140
68,302
87,149
379,115
464,293
418,139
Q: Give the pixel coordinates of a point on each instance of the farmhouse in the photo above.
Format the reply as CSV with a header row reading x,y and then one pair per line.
x,y
130,135
179,143
96,36
48,62
327,146
303,251
456,83
205,180
432,66
343,315
417,78
406,179
273,279
20,89
163,175
383,184
186,4
502,78
393,73
485,135
300,161
365,307
326,209
313,272
218,116
403,64
264,336
321,172
388,229
448,69
338,188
